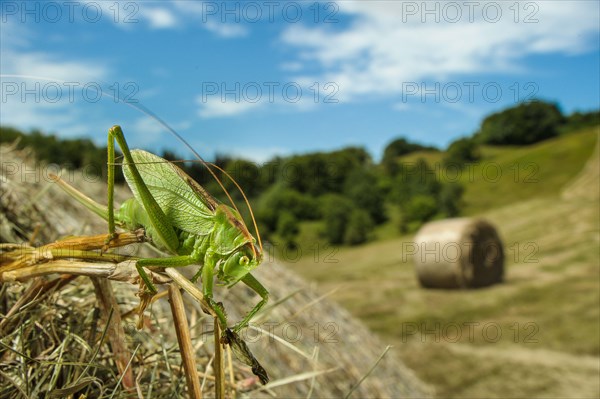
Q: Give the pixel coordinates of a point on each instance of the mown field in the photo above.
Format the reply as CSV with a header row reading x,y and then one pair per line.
x,y
535,335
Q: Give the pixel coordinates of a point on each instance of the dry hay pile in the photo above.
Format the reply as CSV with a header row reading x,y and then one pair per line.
x,y
458,253
310,346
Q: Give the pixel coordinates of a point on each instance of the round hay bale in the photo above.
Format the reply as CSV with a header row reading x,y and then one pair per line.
x,y
458,253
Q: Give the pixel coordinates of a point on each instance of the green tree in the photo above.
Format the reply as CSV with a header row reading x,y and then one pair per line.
x,y
358,228
279,198
421,196
418,210
68,154
450,200
526,123
9,135
321,173
288,229
336,210
363,188
461,151
580,120
247,176
398,148
414,179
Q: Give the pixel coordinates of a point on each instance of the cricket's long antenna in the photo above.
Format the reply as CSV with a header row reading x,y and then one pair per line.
x,y
245,200
141,108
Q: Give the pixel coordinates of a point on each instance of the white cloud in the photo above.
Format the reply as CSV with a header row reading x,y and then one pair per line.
x,y
147,130
208,149
208,15
224,29
299,96
159,18
41,90
130,15
169,15
214,107
401,106
385,45
47,65
293,66
14,34
259,155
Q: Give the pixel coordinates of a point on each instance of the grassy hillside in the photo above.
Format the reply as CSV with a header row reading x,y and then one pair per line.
x,y
508,175
535,335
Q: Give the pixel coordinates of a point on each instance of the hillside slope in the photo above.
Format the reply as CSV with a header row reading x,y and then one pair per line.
x,y
509,175
535,335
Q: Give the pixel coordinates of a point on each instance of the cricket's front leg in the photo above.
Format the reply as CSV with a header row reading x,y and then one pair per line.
x,y
110,215
147,294
207,288
253,283
174,261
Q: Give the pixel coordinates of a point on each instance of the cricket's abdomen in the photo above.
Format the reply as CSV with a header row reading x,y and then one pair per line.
x,y
193,244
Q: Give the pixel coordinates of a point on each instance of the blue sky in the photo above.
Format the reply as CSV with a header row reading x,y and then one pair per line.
x,y
263,78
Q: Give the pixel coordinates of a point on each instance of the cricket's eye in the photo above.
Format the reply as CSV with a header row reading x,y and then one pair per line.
x,y
244,260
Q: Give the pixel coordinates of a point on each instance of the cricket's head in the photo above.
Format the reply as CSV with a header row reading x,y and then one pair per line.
x,y
240,254
247,255
240,263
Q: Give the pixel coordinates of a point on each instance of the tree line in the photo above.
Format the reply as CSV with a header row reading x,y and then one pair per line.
x,y
346,191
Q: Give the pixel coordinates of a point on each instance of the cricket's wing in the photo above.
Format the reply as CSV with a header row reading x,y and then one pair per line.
x,y
185,203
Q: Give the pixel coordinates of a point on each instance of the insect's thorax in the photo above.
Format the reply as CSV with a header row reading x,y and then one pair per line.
x,y
226,237
230,233
193,244
133,216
